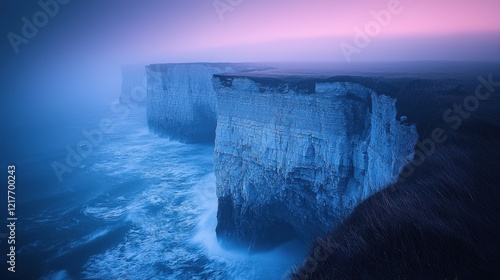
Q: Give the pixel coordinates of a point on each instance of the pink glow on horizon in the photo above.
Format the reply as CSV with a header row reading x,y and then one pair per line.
x,y
255,22
256,30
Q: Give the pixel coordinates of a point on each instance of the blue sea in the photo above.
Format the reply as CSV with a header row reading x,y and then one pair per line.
x,y
137,206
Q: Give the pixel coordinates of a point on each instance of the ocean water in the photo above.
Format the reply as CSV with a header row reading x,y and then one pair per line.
x,y
137,206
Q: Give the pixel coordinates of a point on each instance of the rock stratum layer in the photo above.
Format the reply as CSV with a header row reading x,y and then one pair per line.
x,y
181,102
293,158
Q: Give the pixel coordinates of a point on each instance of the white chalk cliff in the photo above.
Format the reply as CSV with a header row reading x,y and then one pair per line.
x,y
293,154
181,101
294,159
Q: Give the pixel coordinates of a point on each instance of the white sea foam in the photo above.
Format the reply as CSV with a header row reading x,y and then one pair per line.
x,y
154,200
273,264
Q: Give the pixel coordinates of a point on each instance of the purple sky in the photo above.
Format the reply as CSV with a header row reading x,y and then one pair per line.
x,y
111,33
194,30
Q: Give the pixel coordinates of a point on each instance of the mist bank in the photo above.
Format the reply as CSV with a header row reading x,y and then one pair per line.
x,y
134,85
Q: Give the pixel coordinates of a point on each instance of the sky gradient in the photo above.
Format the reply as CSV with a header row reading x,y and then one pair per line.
x,y
99,35
174,30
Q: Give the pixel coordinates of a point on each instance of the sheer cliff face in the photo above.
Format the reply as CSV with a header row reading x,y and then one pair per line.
x,y
294,160
181,101
133,91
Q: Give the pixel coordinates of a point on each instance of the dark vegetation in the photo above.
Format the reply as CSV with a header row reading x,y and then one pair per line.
x,y
442,221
